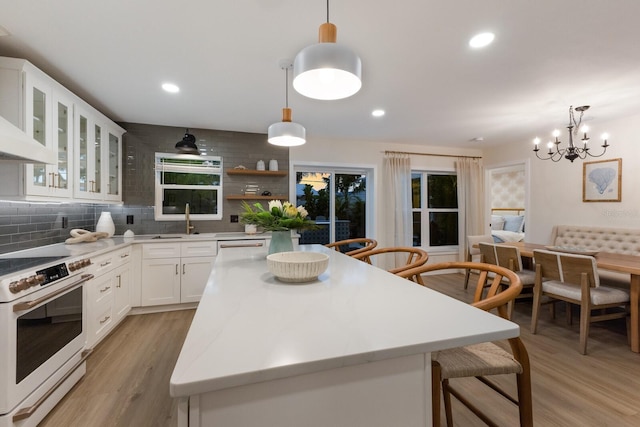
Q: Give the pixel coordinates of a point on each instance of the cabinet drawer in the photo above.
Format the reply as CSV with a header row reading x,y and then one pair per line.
x,y
160,250
192,249
101,322
122,256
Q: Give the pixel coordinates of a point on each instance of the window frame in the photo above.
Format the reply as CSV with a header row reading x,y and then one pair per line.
x,y
425,211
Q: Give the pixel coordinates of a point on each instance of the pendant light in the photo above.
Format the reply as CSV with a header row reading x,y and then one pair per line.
x,y
286,133
188,144
327,70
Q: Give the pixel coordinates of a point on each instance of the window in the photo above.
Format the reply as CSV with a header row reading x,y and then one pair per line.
x,y
435,210
184,178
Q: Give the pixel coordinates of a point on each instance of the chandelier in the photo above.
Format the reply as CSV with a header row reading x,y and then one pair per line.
x,y
571,152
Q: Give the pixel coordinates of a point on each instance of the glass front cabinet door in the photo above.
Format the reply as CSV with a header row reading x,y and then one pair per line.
x,y
97,159
48,119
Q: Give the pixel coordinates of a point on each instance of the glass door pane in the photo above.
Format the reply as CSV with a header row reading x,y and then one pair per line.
x,y
62,177
83,156
97,145
39,134
313,191
350,206
114,159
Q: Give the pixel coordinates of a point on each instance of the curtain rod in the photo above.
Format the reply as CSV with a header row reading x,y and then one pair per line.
x,y
429,154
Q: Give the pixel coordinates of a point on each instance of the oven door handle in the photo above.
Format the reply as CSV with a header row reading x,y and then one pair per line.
x,y
22,306
25,413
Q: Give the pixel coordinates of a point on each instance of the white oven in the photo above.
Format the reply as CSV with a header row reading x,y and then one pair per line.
x,y
43,334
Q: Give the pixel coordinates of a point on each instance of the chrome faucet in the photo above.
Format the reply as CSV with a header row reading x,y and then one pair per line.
x,y
186,215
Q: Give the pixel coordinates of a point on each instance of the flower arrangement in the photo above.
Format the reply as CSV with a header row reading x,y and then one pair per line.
x,y
280,216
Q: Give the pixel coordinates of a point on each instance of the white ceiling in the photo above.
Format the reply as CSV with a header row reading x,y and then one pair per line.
x,y
548,54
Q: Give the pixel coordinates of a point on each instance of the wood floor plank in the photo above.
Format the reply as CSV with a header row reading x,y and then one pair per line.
x,y
127,382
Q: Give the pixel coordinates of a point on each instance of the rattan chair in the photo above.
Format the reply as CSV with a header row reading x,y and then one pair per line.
x,y
574,279
413,257
345,246
485,359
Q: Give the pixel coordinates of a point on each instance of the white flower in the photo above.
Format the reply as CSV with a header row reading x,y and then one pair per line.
x,y
275,204
302,211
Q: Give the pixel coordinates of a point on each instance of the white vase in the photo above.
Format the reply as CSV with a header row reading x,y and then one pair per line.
x,y
105,224
273,165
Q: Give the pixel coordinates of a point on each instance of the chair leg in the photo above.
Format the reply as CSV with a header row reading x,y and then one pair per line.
x,y
446,395
525,400
568,312
535,310
435,394
585,321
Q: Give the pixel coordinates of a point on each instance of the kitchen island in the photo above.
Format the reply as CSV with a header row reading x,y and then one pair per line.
x,y
349,349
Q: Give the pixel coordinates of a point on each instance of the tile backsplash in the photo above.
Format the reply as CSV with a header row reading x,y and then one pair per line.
x,y
25,225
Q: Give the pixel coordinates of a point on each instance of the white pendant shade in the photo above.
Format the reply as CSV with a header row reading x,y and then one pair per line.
x,y
327,71
286,134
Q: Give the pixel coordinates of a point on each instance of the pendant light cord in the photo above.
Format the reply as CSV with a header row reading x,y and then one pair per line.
x,y
327,10
286,87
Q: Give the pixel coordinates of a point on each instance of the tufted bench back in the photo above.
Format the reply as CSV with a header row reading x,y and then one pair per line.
x,y
616,240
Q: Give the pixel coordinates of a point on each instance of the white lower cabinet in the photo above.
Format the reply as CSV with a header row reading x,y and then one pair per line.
x,y
174,273
108,294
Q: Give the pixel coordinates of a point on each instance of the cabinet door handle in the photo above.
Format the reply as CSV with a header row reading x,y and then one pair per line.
x,y
52,183
119,285
124,255
105,319
104,264
242,245
177,270
183,272
105,289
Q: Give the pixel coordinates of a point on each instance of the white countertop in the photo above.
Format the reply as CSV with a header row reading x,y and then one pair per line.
x,y
249,327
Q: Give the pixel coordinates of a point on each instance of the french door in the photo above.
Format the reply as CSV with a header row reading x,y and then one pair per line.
x,y
336,198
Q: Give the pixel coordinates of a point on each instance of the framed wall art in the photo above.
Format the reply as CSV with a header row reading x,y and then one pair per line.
x,y
602,181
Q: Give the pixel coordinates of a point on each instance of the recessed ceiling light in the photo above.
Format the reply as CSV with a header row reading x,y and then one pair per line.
x,y
481,40
377,113
170,87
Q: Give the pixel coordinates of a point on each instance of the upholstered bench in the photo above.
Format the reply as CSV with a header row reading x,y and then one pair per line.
x,y
604,239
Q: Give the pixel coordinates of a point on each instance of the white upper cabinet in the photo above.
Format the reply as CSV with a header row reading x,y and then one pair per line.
x,y
87,144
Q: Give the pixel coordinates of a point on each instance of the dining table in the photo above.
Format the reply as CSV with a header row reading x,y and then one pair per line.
x,y
621,263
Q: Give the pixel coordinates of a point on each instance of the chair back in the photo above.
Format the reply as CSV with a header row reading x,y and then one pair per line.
x,y
345,246
509,257
413,257
496,296
548,264
488,253
573,266
474,241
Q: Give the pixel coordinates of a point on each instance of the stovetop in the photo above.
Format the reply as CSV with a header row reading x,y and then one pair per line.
x,y
13,265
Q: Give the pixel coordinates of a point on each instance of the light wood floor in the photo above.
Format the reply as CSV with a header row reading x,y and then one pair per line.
x,y
128,374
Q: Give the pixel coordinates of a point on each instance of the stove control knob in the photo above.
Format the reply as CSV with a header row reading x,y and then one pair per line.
x,y
18,286
72,266
13,287
31,281
40,278
86,262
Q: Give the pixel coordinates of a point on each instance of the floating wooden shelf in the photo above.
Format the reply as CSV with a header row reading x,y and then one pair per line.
x,y
255,172
256,197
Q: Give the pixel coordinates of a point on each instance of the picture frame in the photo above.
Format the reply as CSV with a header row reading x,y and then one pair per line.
x,y
602,181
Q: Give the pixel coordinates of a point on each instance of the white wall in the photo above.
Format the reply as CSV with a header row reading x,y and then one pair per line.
x,y
555,192
371,154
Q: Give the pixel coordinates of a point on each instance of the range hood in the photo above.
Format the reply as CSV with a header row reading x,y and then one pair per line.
x,y
16,146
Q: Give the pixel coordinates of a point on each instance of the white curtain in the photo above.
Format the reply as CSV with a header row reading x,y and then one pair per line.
x,y
397,202
471,220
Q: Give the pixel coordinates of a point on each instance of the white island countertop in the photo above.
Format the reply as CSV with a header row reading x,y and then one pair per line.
x,y
249,327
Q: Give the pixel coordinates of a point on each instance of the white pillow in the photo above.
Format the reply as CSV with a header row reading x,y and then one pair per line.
x,y
497,222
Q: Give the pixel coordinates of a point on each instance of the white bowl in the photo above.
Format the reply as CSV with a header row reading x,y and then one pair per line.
x,y
297,266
